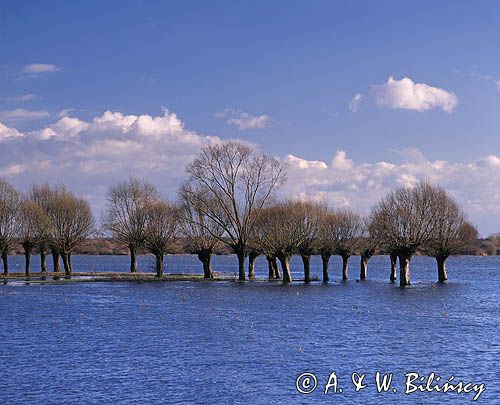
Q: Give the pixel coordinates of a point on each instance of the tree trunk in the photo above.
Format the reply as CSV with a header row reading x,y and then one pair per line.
x,y
241,264
363,268
441,263
285,266
159,265
270,267
306,261
133,258
43,261
277,273
56,260
325,258
5,260
404,270
251,265
345,268
394,258
206,259
27,261
66,263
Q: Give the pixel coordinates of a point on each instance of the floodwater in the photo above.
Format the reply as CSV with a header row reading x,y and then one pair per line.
x,y
229,342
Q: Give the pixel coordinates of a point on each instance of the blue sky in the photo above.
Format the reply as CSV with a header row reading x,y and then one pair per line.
x,y
295,65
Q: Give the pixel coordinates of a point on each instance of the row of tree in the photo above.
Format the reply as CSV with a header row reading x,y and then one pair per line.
x,y
47,219
229,198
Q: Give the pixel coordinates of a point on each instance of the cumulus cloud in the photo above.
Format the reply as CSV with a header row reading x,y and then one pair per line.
x,y
36,68
408,95
243,120
355,102
345,183
6,132
90,155
20,114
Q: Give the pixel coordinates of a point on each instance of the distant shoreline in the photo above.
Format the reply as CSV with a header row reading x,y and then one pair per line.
x,y
107,247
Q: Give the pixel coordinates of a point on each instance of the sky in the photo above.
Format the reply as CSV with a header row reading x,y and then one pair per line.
x,y
358,96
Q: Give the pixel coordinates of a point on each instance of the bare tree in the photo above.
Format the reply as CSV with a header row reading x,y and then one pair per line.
x,y
369,244
311,215
203,235
10,204
162,225
405,219
71,222
451,234
272,265
393,256
43,195
33,228
231,184
348,231
280,233
327,240
252,256
125,215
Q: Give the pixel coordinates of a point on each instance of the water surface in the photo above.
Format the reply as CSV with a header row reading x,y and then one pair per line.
x,y
227,342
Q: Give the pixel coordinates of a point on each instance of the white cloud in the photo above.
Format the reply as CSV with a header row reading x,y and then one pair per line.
x,y
6,132
247,121
22,98
21,114
244,120
64,113
36,68
355,102
343,182
90,155
408,95
410,154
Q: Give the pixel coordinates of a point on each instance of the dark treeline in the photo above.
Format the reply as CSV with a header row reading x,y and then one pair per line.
x,y
228,204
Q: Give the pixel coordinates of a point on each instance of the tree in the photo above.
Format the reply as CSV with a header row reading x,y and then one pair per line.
x,y
405,219
252,256
327,240
451,233
393,256
10,204
272,265
202,234
43,195
161,226
348,231
368,245
33,226
72,222
311,215
280,232
125,215
231,184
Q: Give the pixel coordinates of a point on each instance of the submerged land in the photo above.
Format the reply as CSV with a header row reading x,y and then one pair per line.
x,y
93,276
